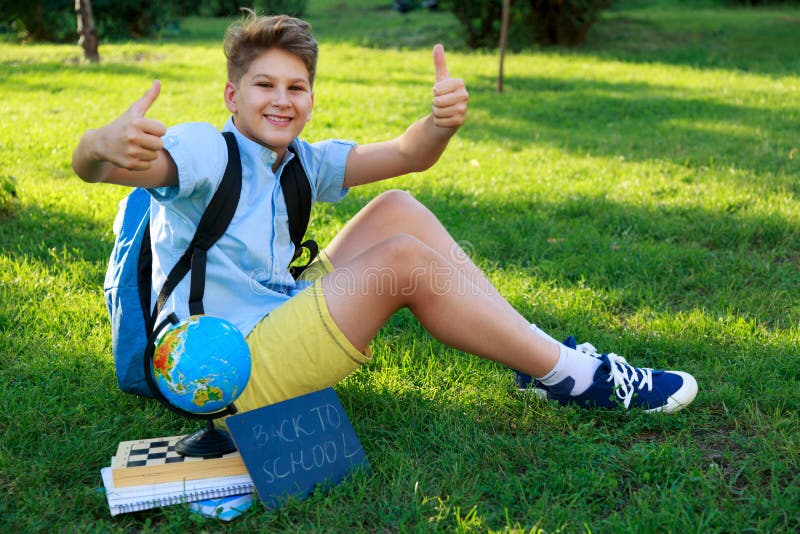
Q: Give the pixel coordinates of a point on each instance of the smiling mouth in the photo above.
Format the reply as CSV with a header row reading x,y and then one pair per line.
x,y
279,119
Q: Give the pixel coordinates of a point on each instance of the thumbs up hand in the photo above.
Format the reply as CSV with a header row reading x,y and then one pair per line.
x,y
450,95
132,141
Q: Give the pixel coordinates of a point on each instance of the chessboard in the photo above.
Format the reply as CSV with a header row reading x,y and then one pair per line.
x,y
152,461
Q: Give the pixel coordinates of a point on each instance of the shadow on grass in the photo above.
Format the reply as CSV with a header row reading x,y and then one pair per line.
x,y
429,438
759,40
47,236
23,77
665,259
637,121
448,434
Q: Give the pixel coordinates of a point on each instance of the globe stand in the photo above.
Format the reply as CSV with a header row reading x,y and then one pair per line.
x,y
209,441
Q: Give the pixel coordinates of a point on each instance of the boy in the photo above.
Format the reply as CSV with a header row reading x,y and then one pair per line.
x,y
308,334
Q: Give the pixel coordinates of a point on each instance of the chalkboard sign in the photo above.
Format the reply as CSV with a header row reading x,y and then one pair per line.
x,y
290,447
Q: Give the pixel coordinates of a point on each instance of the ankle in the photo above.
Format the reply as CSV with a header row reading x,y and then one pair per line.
x,y
574,369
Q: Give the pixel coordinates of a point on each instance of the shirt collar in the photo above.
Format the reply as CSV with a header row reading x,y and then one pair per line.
x,y
250,148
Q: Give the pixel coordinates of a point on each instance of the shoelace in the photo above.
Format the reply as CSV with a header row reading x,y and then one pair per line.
x,y
626,376
588,348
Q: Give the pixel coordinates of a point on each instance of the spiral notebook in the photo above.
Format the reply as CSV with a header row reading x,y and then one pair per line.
x,y
137,498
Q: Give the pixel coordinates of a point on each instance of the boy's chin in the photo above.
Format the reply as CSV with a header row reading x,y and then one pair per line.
x,y
279,139
274,143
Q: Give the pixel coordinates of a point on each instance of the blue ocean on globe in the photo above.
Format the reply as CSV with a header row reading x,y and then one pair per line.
x,y
202,364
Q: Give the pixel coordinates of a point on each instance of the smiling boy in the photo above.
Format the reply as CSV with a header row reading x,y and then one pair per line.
x,y
309,333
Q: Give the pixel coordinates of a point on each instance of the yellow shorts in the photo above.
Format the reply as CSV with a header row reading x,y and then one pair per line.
x,y
297,348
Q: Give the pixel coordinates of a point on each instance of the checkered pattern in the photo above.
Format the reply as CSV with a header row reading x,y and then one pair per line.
x,y
156,452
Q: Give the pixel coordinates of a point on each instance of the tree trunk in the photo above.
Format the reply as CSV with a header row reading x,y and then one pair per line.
x,y
503,39
87,32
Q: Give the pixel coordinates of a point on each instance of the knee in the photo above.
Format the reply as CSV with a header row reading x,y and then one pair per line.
x,y
399,266
411,265
397,202
409,259
405,250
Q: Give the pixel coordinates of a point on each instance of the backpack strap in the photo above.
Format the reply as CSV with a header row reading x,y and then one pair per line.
x,y
297,194
216,218
213,224
144,278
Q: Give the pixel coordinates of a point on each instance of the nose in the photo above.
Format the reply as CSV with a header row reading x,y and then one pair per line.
x,y
281,99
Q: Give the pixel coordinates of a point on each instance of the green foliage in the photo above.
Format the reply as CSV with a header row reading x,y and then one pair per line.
x,y
233,8
41,20
761,2
295,8
555,22
481,22
218,8
55,21
565,21
209,8
404,6
133,18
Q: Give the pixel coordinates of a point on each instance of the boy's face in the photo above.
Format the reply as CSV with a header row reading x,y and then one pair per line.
x,y
272,102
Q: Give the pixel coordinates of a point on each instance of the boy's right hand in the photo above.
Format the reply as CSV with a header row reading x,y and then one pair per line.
x,y
133,141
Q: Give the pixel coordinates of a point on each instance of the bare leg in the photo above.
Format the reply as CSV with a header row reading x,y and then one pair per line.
x,y
397,212
396,254
403,271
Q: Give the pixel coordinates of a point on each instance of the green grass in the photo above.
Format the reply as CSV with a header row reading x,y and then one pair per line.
x,y
640,192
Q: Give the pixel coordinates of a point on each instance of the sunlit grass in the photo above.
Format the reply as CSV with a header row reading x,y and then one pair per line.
x,y
639,192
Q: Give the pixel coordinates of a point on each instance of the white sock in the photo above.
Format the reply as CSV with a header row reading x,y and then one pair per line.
x,y
543,334
577,365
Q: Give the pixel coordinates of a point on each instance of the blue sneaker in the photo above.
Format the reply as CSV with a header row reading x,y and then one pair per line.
x,y
617,384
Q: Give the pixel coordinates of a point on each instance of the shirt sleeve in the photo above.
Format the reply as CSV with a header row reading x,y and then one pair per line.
x,y
325,164
199,153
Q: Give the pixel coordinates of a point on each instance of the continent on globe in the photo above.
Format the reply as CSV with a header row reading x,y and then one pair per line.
x,y
168,349
202,364
207,394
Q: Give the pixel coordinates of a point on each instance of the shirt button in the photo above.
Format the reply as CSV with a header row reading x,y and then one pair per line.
x,y
269,157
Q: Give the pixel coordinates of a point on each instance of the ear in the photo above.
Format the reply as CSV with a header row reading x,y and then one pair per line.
x,y
230,97
308,117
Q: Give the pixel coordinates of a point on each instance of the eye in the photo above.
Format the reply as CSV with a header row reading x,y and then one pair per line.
x,y
297,88
264,84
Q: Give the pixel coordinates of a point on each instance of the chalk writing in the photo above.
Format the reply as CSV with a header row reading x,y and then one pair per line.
x,y
296,428
317,456
290,447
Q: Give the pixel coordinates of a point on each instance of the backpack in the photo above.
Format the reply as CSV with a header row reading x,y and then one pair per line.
x,y
127,286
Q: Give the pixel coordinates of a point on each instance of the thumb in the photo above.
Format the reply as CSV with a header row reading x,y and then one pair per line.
x,y
140,107
439,63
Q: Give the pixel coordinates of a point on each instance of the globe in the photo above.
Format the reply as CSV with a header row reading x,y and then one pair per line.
x,y
202,364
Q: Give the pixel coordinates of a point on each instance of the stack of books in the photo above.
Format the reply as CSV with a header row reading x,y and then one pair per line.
x,y
149,473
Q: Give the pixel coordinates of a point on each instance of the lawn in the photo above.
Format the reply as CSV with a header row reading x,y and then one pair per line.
x,y
640,191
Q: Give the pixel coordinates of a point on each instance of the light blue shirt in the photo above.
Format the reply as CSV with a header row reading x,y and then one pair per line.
x,y
247,269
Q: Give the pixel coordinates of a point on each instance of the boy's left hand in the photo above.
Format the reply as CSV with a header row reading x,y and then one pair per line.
x,y
450,95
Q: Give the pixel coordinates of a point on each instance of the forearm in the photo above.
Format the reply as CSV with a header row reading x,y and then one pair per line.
x,y
416,150
423,143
